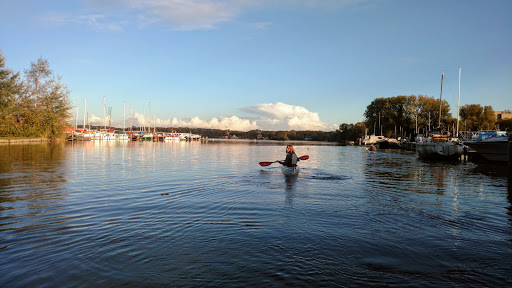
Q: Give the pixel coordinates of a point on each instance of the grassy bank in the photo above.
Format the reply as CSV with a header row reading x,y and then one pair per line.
x,y
18,138
15,140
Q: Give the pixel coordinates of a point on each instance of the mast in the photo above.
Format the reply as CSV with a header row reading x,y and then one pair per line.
x,y
76,112
379,125
85,109
104,119
124,115
441,100
131,117
458,105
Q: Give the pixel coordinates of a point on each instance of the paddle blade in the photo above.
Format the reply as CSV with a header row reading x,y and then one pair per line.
x,y
305,157
265,163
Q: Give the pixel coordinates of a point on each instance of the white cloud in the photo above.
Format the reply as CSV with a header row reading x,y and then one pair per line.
x,y
94,21
267,116
191,14
232,123
115,15
281,116
261,25
96,120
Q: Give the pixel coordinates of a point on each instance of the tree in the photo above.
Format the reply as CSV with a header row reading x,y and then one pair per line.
x,y
38,73
374,113
39,106
411,113
55,109
505,124
10,87
282,135
477,117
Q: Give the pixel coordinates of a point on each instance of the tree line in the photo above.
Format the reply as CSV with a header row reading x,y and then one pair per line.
x,y
281,135
37,104
403,116
33,105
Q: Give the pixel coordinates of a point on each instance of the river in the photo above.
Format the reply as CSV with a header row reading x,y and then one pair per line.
x,y
206,214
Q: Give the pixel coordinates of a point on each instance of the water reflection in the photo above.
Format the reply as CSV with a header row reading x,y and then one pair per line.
x,y
290,181
196,214
31,167
32,182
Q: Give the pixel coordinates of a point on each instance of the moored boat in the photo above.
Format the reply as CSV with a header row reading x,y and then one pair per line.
x,y
439,146
492,148
289,171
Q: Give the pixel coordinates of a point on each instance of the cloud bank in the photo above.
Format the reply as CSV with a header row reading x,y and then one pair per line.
x,y
267,116
281,116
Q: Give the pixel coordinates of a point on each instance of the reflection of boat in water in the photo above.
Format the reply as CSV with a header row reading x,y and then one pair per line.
x,y
439,146
492,146
289,171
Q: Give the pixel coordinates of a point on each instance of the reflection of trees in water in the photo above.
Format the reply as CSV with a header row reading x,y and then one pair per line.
x,y
384,169
31,173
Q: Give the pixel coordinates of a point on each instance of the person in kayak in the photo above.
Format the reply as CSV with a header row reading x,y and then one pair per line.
x,y
291,157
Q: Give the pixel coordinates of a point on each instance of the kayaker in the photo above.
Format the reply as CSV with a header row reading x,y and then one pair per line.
x,y
291,157
372,148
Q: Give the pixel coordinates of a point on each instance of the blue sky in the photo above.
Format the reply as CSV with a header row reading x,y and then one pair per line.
x,y
241,65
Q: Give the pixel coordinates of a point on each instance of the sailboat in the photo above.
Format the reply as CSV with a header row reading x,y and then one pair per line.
x,y
442,144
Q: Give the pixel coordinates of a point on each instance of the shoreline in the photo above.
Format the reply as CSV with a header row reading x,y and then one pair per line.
x,y
284,142
14,140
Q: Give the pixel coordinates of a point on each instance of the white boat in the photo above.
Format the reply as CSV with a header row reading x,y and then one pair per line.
x,y
172,137
493,148
372,139
147,137
107,135
121,135
439,146
289,171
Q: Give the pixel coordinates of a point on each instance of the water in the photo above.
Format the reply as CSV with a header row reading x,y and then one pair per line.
x,y
193,214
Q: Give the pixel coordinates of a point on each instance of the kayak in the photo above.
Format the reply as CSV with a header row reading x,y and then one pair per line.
x,y
290,170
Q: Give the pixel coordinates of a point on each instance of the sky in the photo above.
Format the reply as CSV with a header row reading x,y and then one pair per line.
x,y
270,65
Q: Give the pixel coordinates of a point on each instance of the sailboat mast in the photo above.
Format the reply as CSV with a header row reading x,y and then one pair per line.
x,y
458,105
441,100
104,111
76,113
124,115
85,109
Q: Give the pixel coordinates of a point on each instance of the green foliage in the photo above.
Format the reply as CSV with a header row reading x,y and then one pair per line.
x,y
350,132
36,107
476,117
505,124
411,113
282,135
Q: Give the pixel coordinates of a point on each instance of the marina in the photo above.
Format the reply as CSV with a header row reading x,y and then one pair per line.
x,y
192,213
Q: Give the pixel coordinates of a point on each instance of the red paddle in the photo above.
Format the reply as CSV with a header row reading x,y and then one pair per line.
x,y
305,157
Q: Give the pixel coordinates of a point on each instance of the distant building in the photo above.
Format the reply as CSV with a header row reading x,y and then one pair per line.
x,y
501,115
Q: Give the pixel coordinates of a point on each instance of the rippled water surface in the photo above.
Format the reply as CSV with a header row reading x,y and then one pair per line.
x,y
206,214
